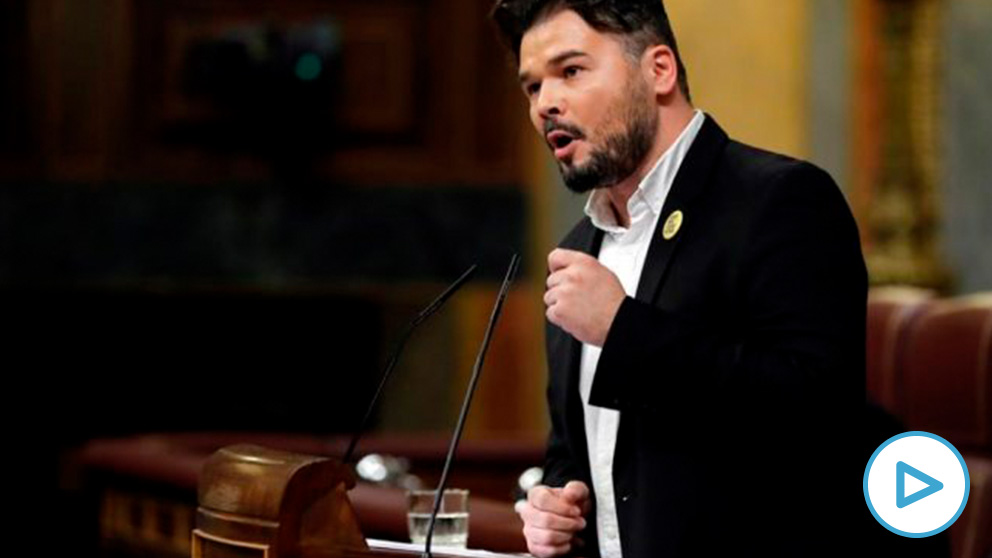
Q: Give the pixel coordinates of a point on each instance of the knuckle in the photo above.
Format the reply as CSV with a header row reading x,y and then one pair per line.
x,y
542,520
548,500
529,533
526,513
536,495
535,536
541,537
555,538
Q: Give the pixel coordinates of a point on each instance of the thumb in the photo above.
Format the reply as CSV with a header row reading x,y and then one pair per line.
x,y
575,492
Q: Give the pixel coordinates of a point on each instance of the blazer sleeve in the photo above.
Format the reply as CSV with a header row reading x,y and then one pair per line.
x,y
560,466
800,296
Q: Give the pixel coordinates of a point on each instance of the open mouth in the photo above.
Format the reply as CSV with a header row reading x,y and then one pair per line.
x,y
561,143
558,139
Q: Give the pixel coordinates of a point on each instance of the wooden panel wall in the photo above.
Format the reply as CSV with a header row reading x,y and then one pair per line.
x,y
104,149
98,84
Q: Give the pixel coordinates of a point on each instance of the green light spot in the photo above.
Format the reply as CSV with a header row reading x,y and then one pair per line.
x,y
308,67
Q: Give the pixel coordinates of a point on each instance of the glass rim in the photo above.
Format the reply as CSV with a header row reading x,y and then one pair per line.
x,y
433,491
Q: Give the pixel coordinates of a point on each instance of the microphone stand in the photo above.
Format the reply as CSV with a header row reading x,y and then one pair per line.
x,y
467,402
395,355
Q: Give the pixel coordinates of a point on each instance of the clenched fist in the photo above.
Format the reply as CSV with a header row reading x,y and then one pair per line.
x,y
583,296
553,517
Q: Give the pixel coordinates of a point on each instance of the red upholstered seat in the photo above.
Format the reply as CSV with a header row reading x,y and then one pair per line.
x,y
929,364
971,534
947,390
891,311
947,372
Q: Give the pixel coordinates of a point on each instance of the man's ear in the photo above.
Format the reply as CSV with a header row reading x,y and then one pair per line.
x,y
661,69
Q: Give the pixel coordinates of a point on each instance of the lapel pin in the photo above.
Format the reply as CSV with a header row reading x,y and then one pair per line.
x,y
672,225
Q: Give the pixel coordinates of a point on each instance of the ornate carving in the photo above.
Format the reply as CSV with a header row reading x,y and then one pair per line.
x,y
897,159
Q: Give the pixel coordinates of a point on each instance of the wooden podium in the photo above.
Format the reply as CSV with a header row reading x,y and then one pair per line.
x,y
256,502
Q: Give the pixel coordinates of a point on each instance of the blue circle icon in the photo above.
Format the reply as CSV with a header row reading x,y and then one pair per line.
x,y
916,484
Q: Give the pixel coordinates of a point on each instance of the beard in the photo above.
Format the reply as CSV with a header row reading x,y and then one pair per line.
x,y
621,152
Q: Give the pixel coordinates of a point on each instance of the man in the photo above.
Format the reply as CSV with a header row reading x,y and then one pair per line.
x,y
705,320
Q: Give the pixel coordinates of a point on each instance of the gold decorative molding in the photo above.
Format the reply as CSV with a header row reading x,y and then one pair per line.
x,y
896,158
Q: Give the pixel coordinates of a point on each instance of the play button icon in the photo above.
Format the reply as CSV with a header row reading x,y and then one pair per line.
x,y
904,497
921,499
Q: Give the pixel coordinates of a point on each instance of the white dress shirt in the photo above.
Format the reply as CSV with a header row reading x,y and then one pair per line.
x,y
623,252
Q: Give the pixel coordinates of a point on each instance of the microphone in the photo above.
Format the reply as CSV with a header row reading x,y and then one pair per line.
x,y
394,357
467,402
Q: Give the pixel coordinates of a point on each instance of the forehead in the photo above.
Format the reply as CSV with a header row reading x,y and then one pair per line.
x,y
562,31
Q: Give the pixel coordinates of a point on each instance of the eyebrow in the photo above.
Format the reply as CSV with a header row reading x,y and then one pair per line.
x,y
557,60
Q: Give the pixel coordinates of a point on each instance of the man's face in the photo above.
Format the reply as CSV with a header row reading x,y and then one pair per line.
x,y
588,99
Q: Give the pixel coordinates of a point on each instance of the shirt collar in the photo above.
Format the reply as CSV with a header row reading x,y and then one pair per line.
x,y
653,189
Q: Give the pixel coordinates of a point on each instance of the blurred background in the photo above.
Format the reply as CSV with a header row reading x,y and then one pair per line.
x,y
218,215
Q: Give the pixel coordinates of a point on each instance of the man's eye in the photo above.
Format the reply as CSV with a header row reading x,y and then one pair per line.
x,y
572,71
533,89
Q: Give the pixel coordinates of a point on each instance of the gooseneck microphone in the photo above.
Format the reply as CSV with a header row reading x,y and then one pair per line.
x,y
394,357
467,402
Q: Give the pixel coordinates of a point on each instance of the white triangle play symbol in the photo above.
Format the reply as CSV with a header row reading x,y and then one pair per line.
x,y
913,485
907,497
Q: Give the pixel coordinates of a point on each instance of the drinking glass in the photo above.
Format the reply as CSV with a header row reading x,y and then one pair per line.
x,y
451,527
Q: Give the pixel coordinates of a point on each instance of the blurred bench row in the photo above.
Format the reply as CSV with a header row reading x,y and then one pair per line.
x,y
929,364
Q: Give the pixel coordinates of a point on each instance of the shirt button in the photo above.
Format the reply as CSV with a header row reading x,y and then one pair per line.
x,y
611,533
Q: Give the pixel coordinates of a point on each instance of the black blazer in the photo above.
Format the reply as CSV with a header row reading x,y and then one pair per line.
x,y
737,369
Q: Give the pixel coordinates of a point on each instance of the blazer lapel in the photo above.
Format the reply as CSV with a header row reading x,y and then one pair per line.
x,y
690,181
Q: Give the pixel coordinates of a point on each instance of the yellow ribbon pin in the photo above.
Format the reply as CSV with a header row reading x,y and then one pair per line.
x,y
672,225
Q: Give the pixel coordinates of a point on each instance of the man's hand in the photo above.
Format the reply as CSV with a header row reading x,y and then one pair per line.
x,y
552,518
583,296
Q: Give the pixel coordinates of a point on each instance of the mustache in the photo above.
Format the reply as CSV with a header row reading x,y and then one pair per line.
x,y
553,125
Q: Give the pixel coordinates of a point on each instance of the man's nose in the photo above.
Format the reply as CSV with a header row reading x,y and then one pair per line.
x,y
550,103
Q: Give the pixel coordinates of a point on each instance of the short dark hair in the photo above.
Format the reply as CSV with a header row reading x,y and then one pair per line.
x,y
640,23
